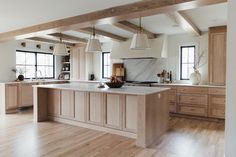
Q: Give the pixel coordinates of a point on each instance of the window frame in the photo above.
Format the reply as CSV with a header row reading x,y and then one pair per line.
x,y
181,59
36,64
103,53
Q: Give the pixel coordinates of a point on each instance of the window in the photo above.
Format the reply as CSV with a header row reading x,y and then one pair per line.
x,y
28,63
187,60
106,65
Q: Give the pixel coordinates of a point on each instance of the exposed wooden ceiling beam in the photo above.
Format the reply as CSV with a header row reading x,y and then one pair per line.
x,y
181,19
130,27
69,37
89,30
108,16
40,39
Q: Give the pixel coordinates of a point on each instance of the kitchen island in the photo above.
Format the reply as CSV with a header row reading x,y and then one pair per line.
x,y
136,112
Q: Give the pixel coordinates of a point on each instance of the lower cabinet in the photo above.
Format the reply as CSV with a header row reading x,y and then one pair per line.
x,y
26,94
130,113
95,108
67,104
216,103
54,104
113,110
11,96
81,101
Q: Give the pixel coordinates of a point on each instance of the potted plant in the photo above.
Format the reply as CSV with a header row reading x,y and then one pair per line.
x,y
20,72
195,77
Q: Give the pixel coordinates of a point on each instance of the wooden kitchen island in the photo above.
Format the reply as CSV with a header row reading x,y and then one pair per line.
x,y
135,112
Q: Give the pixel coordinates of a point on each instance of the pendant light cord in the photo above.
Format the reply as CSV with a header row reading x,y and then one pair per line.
x,y
140,25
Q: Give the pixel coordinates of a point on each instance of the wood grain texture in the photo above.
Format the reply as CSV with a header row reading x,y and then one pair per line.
x,y
130,27
217,55
198,138
106,16
112,36
81,103
67,104
54,102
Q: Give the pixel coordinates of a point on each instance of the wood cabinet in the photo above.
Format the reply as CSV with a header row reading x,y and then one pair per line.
x,y
217,55
130,113
95,108
54,104
11,96
216,103
26,94
113,110
192,101
67,104
81,102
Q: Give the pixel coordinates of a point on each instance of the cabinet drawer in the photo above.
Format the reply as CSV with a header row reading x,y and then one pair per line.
x,y
172,107
192,99
190,110
192,90
216,91
217,113
217,101
172,97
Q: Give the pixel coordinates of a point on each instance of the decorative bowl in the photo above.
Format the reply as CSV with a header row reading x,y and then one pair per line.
x,y
115,84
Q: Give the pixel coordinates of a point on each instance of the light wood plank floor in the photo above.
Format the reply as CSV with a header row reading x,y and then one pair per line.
x,y
20,137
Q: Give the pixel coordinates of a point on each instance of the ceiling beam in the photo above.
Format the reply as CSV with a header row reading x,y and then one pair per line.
x,y
108,16
89,30
181,19
68,37
130,27
40,39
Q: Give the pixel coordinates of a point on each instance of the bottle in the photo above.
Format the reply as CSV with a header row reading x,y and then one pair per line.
x,y
171,77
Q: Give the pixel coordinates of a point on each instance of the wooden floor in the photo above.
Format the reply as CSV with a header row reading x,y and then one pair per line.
x,y
20,137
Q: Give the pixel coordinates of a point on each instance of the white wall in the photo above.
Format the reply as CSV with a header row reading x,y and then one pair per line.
x,y
173,60
7,60
230,138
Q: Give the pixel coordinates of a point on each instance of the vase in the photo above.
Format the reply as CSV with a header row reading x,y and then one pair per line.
x,y
195,77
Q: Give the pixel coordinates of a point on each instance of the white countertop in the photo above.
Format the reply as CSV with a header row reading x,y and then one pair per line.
x,y
190,85
33,81
93,88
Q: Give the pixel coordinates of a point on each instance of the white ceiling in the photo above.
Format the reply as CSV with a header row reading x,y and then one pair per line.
x,y
15,14
204,17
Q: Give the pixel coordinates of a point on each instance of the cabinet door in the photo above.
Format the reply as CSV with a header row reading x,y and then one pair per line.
x,y
11,96
95,108
54,103
80,106
26,95
67,104
130,113
217,56
217,106
113,110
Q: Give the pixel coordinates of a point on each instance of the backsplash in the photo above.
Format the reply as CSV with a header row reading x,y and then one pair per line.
x,y
144,69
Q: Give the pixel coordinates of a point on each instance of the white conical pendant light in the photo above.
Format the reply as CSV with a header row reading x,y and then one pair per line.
x,y
60,49
93,44
140,39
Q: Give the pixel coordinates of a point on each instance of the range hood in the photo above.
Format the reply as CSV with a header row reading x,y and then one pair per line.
x,y
121,50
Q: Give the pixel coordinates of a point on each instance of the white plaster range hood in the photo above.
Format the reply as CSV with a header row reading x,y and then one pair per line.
x,y
121,50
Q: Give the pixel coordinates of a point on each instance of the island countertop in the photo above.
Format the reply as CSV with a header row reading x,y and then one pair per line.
x,y
93,88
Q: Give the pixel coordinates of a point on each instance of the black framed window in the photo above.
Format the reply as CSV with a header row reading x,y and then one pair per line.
x,y
187,60
106,65
28,63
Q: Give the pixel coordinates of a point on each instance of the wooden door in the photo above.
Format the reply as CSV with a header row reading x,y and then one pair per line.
x,y
130,113
95,108
67,104
54,102
217,56
113,110
81,105
11,96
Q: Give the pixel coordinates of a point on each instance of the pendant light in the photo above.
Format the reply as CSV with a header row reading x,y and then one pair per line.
x,y
140,39
60,49
93,44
